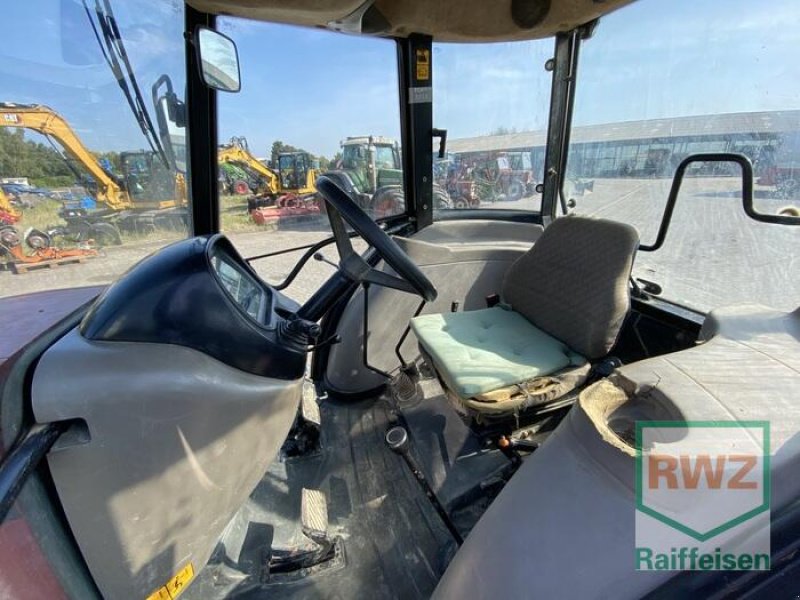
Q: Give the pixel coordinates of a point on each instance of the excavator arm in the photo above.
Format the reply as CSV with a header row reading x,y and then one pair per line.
x,y
46,121
236,154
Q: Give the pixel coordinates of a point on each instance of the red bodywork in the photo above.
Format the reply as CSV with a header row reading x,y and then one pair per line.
x,y
6,218
289,207
25,572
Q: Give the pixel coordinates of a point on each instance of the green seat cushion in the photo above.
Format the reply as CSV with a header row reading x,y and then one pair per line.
x,y
482,350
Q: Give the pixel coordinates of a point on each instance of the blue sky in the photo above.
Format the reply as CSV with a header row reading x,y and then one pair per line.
x,y
312,88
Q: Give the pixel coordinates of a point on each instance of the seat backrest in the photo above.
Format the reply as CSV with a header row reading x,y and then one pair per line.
x,y
574,282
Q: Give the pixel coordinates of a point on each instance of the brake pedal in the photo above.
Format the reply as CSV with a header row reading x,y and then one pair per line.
x,y
326,553
314,515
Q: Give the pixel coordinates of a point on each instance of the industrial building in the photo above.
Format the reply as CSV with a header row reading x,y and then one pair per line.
x,y
653,148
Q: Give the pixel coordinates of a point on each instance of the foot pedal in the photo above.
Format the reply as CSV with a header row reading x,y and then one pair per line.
x,y
314,515
327,553
309,409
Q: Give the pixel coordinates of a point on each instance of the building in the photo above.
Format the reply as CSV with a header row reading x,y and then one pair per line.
x,y
654,147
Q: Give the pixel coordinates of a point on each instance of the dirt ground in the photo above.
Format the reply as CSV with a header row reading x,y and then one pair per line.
x,y
713,254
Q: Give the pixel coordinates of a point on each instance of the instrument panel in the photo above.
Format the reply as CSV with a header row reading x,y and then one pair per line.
x,y
241,285
202,294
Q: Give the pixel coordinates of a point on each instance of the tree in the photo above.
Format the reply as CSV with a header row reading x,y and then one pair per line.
x,y
40,163
335,160
278,147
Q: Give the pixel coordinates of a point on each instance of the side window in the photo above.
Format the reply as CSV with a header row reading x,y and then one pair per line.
x,y
88,184
312,102
493,100
633,126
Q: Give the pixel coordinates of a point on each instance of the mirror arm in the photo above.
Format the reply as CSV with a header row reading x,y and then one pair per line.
x,y
442,135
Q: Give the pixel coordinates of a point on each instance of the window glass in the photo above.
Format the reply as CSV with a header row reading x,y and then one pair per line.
x,y
312,102
84,186
493,100
654,88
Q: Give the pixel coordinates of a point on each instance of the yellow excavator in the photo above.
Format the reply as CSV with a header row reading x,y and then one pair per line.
x,y
296,171
145,188
290,194
261,180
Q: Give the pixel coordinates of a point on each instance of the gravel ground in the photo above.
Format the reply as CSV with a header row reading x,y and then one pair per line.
x,y
713,253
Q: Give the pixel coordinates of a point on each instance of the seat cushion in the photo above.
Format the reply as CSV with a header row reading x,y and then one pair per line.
x,y
482,350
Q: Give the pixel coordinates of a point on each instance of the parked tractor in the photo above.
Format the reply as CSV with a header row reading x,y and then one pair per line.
x,y
502,175
371,170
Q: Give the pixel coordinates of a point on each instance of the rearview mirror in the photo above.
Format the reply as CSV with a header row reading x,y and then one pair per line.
x,y
218,60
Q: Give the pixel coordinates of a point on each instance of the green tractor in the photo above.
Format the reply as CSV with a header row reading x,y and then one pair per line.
x,y
371,170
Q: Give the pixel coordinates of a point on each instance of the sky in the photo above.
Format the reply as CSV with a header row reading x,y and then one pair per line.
x,y
312,88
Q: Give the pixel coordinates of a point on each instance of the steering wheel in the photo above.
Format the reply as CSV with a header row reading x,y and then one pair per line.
x,y
342,208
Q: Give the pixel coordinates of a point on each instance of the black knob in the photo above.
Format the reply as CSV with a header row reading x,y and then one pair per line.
x,y
397,439
307,328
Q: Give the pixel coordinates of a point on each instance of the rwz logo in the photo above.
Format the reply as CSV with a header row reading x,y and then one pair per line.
x,y
686,472
707,482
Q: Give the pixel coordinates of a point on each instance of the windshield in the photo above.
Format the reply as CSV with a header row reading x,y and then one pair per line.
x,y
386,157
720,82
332,98
493,100
101,191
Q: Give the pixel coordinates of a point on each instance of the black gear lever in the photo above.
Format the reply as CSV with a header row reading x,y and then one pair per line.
x,y
397,440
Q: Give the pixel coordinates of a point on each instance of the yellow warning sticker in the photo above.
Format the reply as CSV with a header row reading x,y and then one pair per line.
x,y
159,594
423,65
174,586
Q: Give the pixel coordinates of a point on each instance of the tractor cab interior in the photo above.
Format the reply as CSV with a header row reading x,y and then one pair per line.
x,y
447,404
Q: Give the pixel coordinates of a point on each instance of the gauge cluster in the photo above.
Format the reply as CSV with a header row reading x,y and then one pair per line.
x,y
202,294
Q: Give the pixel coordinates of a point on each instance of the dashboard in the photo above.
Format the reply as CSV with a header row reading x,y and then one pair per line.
x,y
202,294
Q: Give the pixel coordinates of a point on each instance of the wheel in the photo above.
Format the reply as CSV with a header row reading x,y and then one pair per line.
x,y
105,234
460,203
387,203
9,238
440,198
241,188
515,190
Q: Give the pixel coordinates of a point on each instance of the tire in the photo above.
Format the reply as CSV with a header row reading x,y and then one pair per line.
x,y
460,204
387,203
105,234
440,198
241,188
515,190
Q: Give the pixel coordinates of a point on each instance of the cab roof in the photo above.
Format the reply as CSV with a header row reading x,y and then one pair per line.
x,y
444,20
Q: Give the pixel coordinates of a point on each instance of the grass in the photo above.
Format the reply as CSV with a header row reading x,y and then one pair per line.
x,y
234,216
44,215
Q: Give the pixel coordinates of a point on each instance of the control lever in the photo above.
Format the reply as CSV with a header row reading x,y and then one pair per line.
x,y
397,440
320,257
308,329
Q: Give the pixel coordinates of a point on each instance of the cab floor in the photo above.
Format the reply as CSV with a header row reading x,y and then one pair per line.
x,y
394,543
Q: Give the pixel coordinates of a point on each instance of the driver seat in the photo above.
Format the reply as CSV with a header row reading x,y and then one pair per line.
x,y
563,305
